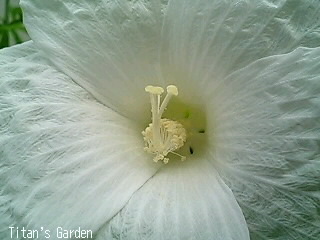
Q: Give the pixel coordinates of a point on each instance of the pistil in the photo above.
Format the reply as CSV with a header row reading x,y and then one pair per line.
x,y
163,136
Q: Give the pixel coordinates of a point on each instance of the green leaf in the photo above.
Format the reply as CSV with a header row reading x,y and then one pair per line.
x,y
4,39
16,36
16,14
12,26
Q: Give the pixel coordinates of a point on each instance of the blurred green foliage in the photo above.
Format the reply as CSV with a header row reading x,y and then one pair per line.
x,y
12,30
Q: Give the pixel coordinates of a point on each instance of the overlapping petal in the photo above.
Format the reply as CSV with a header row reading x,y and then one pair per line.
x,y
182,201
267,139
66,160
205,40
108,47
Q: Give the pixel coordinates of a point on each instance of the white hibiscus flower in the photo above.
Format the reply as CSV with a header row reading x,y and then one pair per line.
x,y
244,81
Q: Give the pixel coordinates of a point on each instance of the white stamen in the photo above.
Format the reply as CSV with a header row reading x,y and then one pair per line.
x,y
163,136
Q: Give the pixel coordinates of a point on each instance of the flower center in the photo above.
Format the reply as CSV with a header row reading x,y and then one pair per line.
x,y
163,136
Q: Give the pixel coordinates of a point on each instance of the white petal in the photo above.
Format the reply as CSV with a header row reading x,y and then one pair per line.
x,y
204,40
185,200
66,160
268,134
108,47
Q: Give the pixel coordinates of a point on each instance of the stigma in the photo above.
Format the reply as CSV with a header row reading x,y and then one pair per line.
x,y
163,136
